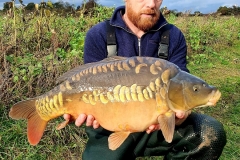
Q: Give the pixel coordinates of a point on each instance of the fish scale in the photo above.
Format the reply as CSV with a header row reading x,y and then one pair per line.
x,y
125,95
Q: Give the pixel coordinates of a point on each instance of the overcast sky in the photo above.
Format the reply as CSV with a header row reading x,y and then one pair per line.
x,y
204,6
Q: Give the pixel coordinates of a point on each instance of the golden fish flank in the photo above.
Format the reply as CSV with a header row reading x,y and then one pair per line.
x,y
47,107
115,93
150,92
84,98
133,92
103,99
145,94
128,93
163,92
120,94
110,97
158,82
95,95
150,88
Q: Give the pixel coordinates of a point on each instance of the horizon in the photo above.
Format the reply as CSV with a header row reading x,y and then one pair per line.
x,y
183,6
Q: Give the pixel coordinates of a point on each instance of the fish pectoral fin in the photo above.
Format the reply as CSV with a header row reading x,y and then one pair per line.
x,y
116,139
167,125
63,124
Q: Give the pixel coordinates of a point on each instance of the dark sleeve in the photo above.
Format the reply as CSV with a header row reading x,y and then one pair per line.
x,y
178,49
95,47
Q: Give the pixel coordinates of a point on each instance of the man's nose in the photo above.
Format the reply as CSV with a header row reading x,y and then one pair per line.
x,y
151,3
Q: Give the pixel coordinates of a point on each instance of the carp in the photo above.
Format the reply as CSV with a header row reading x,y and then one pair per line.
x,y
125,95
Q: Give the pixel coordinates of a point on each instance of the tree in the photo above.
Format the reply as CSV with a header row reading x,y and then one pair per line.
x,y
59,5
7,5
30,6
197,13
223,10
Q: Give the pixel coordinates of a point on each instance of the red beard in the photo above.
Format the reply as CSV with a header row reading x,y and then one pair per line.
x,y
143,23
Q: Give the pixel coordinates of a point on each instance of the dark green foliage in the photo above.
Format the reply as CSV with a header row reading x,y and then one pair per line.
x,y
30,6
234,10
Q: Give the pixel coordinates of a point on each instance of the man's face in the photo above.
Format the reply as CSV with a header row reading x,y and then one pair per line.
x,y
143,13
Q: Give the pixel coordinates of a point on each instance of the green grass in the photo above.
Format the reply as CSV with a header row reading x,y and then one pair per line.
x,y
224,72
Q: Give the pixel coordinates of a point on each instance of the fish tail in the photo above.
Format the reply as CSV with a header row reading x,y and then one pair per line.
x,y
36,125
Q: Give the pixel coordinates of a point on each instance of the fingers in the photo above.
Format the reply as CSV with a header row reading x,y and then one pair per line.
x,y
66,116
90,121
95,124
179,120
180,114
80,120
152,128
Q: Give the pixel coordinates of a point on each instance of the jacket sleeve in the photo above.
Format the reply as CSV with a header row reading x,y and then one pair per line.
x,y
178,49
95,46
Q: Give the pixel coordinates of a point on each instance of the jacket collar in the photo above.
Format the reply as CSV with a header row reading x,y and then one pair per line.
x,y
116,20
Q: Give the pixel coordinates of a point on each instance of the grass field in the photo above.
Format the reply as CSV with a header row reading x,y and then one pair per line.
x,y
225,74
213,55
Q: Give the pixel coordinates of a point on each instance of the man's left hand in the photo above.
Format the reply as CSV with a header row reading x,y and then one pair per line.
x,y
180,118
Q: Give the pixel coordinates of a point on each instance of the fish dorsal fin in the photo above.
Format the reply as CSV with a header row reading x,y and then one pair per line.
x,y
80,68
167,125
116,139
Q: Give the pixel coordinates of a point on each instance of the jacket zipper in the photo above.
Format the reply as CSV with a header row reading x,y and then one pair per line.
x,y
139,47
139,39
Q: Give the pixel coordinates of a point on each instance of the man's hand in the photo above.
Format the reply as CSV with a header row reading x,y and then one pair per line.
x,y
180,118
90,120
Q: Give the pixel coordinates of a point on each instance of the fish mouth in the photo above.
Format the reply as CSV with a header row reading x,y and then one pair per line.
x,y
215,96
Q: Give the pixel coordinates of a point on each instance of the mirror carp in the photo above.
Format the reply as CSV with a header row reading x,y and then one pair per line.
x,y
125,95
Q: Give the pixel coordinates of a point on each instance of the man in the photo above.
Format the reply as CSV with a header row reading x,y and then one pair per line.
x,y
138,30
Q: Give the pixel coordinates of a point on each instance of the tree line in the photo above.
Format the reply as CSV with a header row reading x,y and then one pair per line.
x,y
88,6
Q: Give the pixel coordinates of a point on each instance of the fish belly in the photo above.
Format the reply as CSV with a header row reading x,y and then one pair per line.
x,y
134,116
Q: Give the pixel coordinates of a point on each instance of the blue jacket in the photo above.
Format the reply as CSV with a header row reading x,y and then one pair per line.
x,y
128,44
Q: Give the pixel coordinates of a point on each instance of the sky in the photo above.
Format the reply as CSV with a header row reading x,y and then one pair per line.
x,y
203,6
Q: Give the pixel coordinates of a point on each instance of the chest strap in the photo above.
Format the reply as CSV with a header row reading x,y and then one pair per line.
x,y
163,44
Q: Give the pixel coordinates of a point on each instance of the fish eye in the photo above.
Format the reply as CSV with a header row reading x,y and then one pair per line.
x,y
195,88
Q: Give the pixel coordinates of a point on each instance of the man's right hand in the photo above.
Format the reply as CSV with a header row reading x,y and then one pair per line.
x,y
90,120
